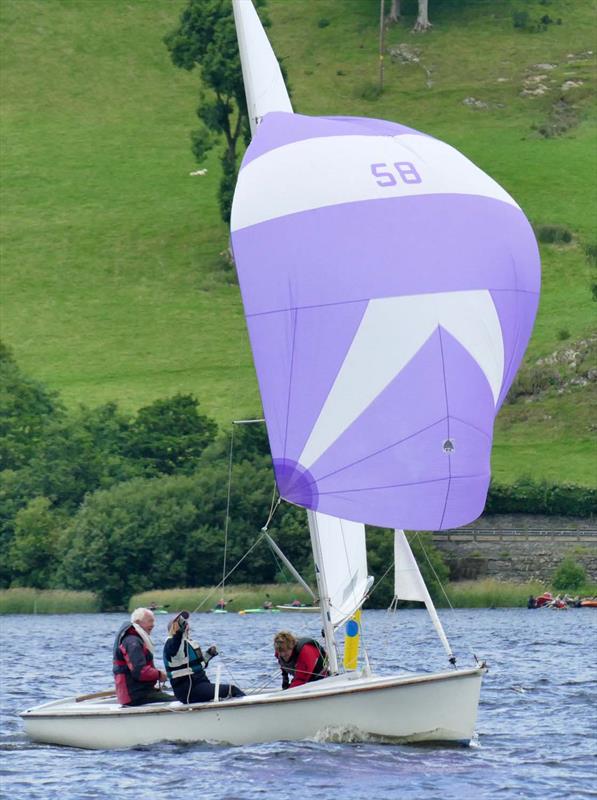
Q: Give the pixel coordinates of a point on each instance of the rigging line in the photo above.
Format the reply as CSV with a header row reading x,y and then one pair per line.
x,y
441,586
272,509
229,573
256,688
376,584
227,523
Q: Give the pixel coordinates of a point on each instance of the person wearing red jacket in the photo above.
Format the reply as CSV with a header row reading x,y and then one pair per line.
x,y
135,675
304,659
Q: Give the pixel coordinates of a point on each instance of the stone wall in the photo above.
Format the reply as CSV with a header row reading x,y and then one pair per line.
x,y
519,552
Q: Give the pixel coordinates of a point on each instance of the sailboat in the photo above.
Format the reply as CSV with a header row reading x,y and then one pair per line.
x,y
390,288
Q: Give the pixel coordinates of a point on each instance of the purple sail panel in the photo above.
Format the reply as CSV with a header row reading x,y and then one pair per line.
x,y
390,288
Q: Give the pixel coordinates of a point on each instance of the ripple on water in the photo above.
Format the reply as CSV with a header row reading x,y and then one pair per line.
x,y
535,730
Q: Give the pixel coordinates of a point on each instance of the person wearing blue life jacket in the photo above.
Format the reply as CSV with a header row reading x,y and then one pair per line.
x,y
185,665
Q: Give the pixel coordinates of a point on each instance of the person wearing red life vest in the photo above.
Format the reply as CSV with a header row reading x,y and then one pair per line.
x,y
303,660
135,675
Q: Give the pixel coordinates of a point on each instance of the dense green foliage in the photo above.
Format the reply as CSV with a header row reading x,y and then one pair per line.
x,y
120,504
527,496
569,576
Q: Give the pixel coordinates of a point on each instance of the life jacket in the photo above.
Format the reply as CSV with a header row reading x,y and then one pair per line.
x,y
119,665
187,660
127,688
319,671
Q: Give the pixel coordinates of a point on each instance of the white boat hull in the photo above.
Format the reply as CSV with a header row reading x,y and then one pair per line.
x,y
439,707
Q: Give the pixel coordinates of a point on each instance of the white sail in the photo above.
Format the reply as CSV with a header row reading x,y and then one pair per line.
x,y
409,584
264,85
344,561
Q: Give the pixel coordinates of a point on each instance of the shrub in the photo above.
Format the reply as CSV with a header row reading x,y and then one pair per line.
x,y
569,576
323,23
520,19
526,496
563,334
553,234
371,91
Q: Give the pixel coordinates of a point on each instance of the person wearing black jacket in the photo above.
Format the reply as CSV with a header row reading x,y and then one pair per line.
x,y
135,675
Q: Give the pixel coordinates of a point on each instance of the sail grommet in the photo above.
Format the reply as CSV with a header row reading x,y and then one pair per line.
x,y
448,446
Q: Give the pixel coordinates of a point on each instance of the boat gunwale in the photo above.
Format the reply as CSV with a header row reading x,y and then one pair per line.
x,y
241,703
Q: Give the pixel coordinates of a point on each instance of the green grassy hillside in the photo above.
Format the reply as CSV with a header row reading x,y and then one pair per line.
x,y
112,283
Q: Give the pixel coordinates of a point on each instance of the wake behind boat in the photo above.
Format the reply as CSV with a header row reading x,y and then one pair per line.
x,y
389,288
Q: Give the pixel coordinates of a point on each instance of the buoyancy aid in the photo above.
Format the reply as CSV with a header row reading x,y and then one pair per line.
x,y
119,665
186,660
319,671
128,688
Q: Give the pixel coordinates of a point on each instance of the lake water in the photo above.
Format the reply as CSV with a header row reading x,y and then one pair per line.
x,y
536,729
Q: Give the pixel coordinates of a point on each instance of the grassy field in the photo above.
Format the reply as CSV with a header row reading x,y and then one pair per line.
x,y
112,283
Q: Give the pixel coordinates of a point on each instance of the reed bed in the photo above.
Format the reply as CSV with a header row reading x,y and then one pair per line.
x,y
491,593
47,601
237,596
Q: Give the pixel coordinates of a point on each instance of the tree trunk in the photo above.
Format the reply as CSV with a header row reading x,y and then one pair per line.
x,y
394,14
422,23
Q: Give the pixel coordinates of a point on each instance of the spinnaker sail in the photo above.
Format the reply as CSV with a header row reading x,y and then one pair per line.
x,y
390,288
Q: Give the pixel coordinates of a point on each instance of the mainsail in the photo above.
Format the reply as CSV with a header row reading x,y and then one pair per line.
x,y
344,555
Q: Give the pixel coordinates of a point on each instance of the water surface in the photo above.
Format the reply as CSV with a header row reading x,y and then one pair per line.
x,y
536,733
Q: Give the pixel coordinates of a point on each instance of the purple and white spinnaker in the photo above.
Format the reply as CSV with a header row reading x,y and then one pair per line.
x,y
390,288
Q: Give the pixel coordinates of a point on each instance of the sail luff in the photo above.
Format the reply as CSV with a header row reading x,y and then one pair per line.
x,y
324,598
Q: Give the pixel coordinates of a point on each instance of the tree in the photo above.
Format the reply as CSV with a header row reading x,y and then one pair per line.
x,y
206,38
422,23
168,436
26,409
33,549
394,14
81,453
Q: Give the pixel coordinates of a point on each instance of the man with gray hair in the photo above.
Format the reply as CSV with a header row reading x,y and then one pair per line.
x,y
135,675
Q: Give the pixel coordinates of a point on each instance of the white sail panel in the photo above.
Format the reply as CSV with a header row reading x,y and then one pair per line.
x,y
381,167
409,585
344,564
408,581
264,85
470,317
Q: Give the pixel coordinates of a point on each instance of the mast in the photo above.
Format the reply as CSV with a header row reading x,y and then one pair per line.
x,y
324,598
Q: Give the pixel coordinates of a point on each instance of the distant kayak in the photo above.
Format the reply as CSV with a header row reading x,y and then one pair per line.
x,y
298,608
592,603
259,611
